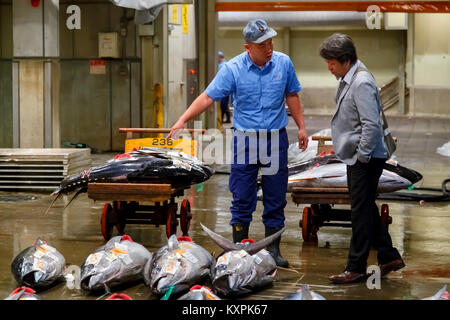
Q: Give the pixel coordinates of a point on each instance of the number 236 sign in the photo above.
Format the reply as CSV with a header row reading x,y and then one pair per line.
x,y
183,145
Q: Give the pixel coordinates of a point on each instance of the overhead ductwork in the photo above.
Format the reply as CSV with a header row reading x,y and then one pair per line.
x,y
294,19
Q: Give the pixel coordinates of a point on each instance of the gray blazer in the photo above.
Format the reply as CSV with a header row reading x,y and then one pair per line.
x,y
356,127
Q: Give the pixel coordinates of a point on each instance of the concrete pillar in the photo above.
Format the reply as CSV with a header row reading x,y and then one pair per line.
x,y
409,66
36,74
148,114
154,47
401,80
210,57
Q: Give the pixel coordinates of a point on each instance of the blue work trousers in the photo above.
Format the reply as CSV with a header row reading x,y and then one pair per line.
x,y
274,177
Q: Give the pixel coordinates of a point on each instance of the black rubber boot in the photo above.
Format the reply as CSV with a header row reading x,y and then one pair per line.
x,y
274,248
240,232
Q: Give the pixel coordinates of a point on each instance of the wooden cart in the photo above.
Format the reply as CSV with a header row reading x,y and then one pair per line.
x,y
321,212
125,208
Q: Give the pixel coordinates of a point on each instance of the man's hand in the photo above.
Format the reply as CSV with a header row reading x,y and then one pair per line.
x,y
179,125
302,139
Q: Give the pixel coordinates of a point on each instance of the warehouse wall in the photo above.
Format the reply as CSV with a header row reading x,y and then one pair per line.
x,y
6,42
6,128
430,64
181,47
317,82
94,106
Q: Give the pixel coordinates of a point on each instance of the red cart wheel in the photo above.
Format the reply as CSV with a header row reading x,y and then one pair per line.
x,y
385,218
105,224
171,222
306,224
309,232
185,216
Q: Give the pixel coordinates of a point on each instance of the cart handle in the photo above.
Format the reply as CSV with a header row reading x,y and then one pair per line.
x,y
156,130
130,131
324,138
328,138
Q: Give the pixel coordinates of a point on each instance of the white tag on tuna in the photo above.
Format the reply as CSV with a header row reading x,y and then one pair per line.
x,y
392,162
39,254
190,257
121,246
257,259
171,266
111,257
223,259
93,258
241,254
126,258
182,164
52,256
39,264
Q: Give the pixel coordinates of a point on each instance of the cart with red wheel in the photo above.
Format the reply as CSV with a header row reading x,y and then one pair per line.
x,y
160,207
322,200
321,212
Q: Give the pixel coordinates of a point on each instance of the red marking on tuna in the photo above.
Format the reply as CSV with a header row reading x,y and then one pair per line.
x,y
27,290
122,156
188,239
126,237
121,296
199,287
85,174
248,240
196,287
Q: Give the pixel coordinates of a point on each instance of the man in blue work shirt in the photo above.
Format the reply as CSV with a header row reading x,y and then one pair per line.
x,y
225,111
259,81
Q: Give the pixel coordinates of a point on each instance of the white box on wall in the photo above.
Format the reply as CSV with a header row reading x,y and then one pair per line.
x,y
108,45
396,21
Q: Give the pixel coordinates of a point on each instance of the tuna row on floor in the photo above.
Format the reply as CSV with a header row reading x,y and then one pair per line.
x,y
179,270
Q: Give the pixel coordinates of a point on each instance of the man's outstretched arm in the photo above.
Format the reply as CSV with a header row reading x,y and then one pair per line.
x,y
295,107
197,107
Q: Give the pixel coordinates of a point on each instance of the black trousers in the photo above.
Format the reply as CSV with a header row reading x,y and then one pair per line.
x,y
367,228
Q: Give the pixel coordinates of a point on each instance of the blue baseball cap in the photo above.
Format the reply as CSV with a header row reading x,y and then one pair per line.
x,y
220,54
257,31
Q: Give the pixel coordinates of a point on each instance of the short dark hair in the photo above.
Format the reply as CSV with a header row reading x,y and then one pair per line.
x,y
338,47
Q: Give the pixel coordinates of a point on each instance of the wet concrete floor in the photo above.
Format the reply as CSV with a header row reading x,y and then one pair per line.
x,y
421,232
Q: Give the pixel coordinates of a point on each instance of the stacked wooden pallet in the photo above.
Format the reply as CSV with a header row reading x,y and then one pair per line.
x,y
40,169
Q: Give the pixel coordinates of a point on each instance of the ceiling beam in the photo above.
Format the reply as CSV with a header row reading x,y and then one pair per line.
x,y
385,6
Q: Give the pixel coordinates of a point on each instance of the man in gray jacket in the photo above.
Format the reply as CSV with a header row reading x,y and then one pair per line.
x,y
357,135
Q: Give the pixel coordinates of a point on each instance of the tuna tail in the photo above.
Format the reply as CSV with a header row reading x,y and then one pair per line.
x,y
81,190
228,245
172,243
107,292
438,295
261,244
54,200
222,242
17,295
306,294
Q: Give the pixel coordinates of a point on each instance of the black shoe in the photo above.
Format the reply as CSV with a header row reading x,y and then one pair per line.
x,y
348,277
274,248
240,232
392,266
